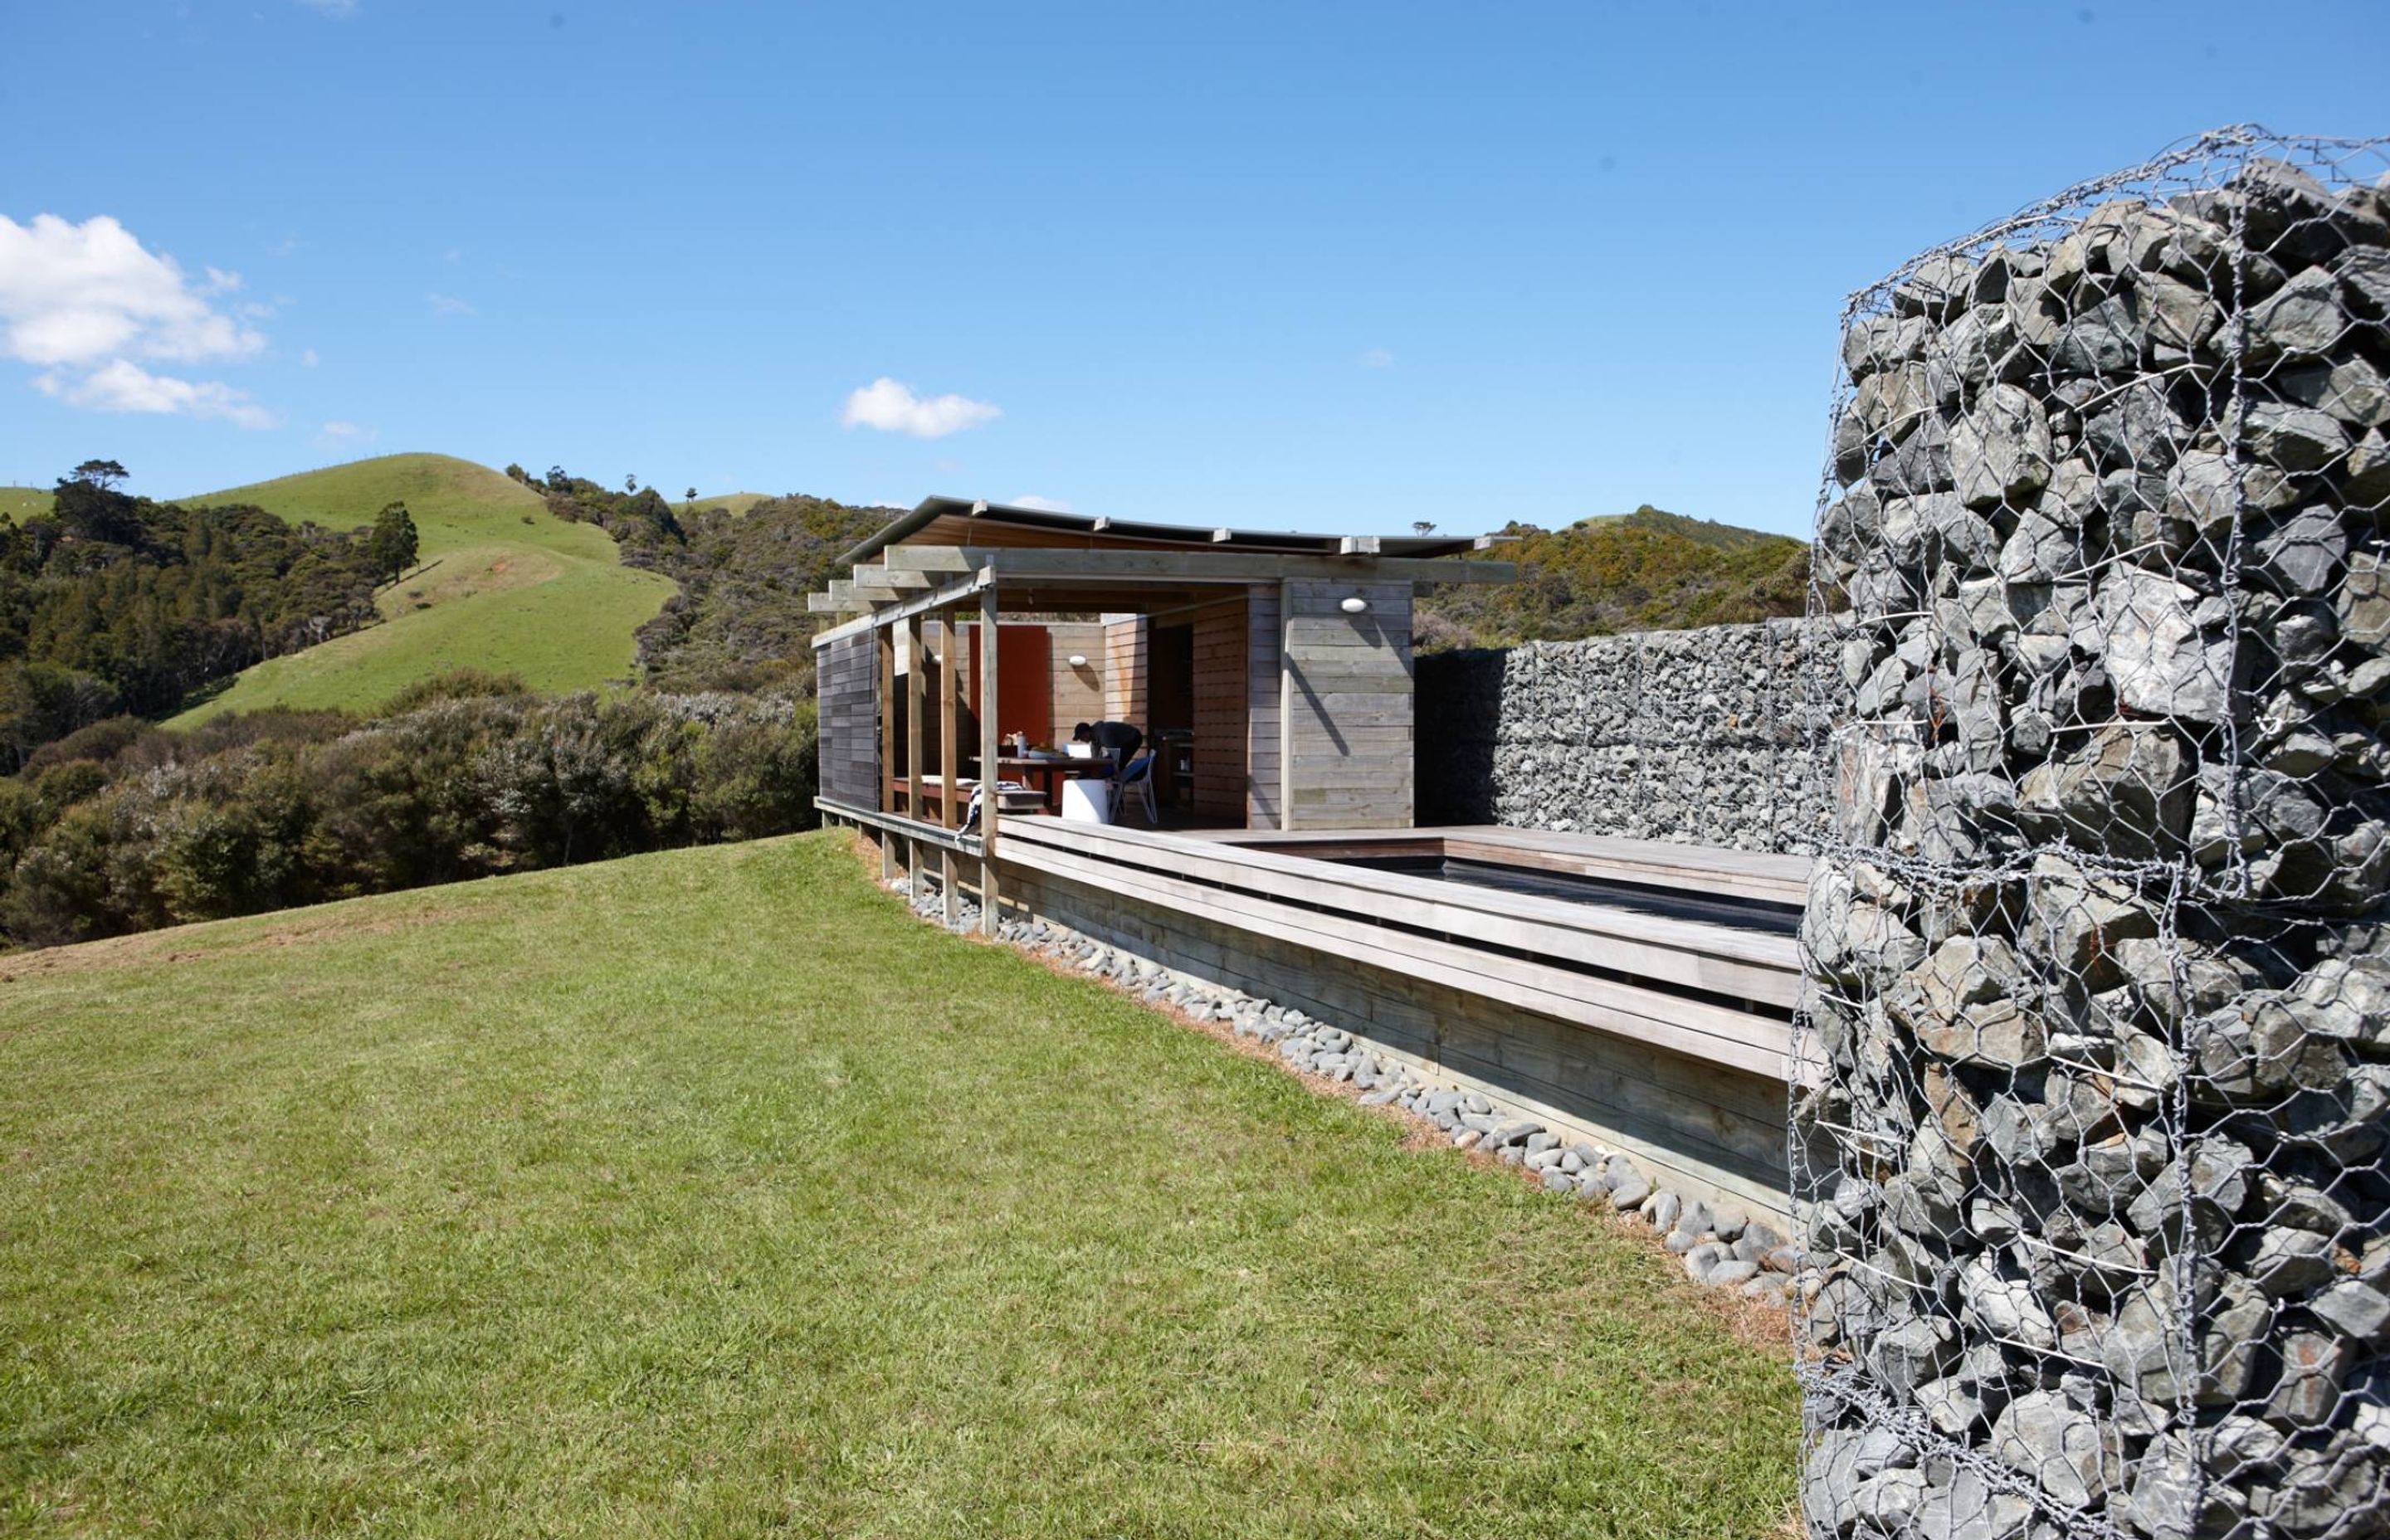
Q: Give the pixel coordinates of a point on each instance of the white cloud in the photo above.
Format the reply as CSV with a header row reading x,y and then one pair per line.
x,y
347,432
310,358
80,294
448,304
1376,358
121,385
1043,505
82,302
893,408
339,10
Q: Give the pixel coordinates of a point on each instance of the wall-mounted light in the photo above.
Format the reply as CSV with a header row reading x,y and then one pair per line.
x,y
1354,605
1078,660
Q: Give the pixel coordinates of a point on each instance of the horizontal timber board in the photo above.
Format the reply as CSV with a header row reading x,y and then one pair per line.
x,y
1754,1043
1227,859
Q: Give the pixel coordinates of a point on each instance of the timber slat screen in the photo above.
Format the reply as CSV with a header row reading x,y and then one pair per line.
x,y
850,721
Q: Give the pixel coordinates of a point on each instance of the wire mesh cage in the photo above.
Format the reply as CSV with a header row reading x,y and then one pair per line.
x,y
2092,1084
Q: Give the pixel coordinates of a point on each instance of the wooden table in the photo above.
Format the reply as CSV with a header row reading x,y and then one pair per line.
x,y
1046,775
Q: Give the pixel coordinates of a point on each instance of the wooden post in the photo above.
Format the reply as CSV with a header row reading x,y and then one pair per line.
x,y
949,761
1285,706
887,798
990,749
916,700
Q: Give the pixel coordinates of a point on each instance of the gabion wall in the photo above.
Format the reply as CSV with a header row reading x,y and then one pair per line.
x,y
1685,736
2089,1145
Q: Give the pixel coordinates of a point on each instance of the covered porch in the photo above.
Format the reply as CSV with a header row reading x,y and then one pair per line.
x,y
1266,677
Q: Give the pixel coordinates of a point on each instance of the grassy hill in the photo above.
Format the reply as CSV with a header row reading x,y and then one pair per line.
x,y
711,1194
733,503
1647,570
24,502
503,585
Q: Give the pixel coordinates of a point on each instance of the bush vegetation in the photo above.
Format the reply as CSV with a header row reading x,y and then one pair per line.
x,y
121,826
111,603
739,621
1645,570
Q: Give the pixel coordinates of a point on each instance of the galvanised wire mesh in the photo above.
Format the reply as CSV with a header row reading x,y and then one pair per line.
x,y
2094,1066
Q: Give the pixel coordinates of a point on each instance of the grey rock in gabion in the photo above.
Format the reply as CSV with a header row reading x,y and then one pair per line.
x,y
1686,736
2090,1139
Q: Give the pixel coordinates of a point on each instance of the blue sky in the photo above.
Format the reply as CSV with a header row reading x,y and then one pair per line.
x,y
1333,266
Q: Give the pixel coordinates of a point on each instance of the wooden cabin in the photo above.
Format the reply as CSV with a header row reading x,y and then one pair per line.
x,y
1269,672
1639,993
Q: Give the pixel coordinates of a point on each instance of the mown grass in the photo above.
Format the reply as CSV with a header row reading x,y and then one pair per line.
x,y
505,587
709,1193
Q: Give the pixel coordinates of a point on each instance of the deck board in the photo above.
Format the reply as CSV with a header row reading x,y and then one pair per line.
x,y
1655,863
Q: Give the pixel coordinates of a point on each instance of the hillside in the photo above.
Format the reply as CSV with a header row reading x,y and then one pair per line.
x,y
1647,570
24,502
732,503
711,1194
503,586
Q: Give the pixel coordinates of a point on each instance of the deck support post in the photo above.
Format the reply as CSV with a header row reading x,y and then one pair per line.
x,y
949,763
915,705
991,748
887,799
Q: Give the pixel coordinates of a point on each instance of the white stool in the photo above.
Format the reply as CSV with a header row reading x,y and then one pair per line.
x,y
1088,801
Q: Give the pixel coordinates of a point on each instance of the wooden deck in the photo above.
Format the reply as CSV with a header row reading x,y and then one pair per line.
x,y
1667,1036
1748,875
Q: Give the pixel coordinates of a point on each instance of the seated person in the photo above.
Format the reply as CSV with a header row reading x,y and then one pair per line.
x,y
1115,742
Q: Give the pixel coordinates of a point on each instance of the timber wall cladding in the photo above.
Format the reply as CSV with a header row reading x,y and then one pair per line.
x,y
1080,692
1221,780
1124,657
1263,688
1348,705
1714,1131
850,721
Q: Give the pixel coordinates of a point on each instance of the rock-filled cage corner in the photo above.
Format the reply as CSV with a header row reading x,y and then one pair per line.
x,y
2092,1076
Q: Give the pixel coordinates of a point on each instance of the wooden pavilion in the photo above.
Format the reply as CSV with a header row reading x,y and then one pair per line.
x,y
1270,670
1645,1001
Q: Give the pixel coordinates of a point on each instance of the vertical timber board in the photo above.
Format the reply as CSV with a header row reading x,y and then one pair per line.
x,y
916,709
1263,687
949,758
1078,693
1126,659
883,797
988,751
1221,702
1349,727
850,721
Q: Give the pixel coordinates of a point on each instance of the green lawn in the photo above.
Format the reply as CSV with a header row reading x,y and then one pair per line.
x,y
506,586
710,1193
24,502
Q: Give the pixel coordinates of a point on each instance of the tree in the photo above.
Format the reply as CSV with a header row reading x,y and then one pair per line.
x,y
692,494
393,543
89,508
1424,526
630,483
516,472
